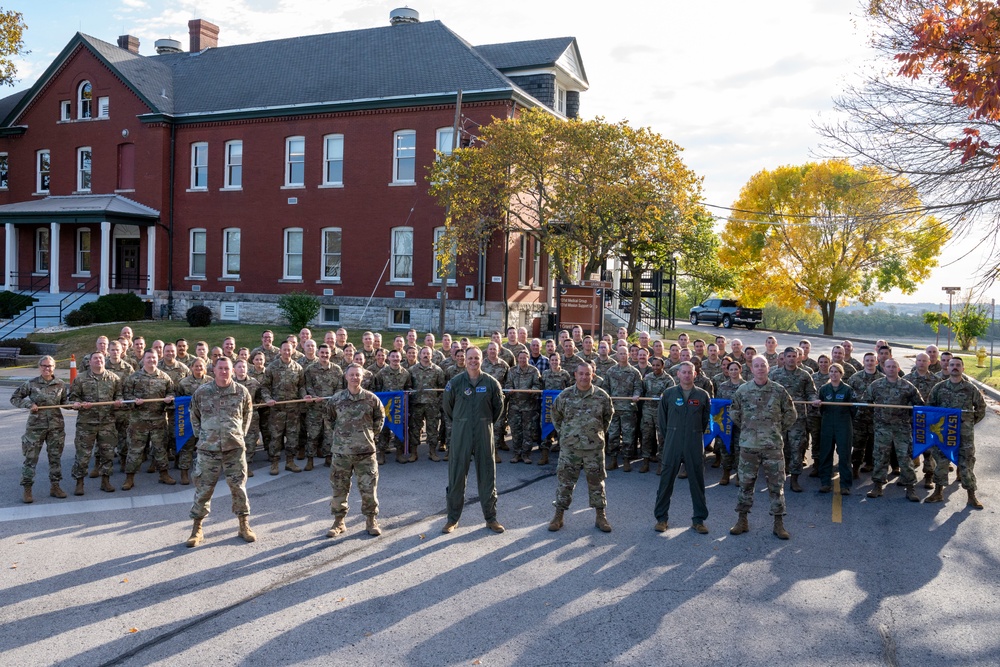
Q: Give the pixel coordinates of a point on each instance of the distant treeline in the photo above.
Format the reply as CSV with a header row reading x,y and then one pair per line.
x,y
883,323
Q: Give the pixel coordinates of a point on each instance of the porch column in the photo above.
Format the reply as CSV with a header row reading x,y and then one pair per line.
x,y
105,257
10,258
54,258
150,257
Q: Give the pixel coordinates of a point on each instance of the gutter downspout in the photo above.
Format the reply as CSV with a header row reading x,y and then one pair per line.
x,y
170,224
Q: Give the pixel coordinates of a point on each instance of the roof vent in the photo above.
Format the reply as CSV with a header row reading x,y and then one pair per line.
x,y
404,15
167,46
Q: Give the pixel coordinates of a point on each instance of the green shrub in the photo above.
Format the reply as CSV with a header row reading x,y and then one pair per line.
x,y
199,316
23,344
79,318
116,308
299,307
12,303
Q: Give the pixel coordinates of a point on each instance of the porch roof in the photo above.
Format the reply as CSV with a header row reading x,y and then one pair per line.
x,y
68,209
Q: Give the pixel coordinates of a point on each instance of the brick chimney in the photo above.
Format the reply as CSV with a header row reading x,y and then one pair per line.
x,y
129,43
204,35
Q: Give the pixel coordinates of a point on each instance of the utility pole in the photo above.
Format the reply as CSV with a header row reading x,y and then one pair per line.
x,y
951,292
444,279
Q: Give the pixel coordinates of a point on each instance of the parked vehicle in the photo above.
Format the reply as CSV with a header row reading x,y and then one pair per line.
x,y
726,312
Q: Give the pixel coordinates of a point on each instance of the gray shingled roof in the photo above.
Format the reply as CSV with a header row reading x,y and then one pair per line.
x,y
103,207
524,55
153,80
8,103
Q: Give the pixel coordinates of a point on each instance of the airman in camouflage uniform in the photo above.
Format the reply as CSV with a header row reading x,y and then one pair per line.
x,y
356,417
958,392
811,364
623,381
525,410
604,361
893,428
425,404
267,348
122,369
924,380
864,427
177,371
712,364
148,420
392,378
554,378
512,347
764,412
654,384
221,412
457,367
283,381
253,435
582,415
95,425
799,385
186,387
570,359
771,352
322,379
856,363
727,389
44,427
102,345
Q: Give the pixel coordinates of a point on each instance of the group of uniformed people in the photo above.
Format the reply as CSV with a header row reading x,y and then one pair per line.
x,y
646,401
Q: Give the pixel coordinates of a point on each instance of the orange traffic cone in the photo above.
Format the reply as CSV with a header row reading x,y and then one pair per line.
x,y
72,367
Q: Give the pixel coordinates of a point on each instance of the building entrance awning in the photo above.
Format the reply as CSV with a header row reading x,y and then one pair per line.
x,y
71,209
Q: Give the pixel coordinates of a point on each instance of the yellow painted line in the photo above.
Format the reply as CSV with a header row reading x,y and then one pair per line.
x,y
837,516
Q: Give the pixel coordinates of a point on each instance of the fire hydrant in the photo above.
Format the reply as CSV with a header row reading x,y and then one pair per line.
x,y
981,355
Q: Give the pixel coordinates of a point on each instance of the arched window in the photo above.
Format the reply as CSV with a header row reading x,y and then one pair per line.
x,y
84,99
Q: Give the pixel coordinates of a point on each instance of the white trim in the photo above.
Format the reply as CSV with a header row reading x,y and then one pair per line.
x,y
80,171
226,275
105,269
327,160
80,271
38,170
435,266
10,257
103,107
53,258
192,253
285,275
196,166
396,158
150,259
229,164
79,101
324,252
393,277
288,161
37,269
438,136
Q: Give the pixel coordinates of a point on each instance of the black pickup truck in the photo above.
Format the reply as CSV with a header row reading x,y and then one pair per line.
x,y
726,312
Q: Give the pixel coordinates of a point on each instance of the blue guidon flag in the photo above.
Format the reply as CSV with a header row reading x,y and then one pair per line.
x,y
720,425
548,397
937,427
182,420
395,412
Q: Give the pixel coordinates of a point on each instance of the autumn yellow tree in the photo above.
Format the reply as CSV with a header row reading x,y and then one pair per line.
x,y
11,43
815,235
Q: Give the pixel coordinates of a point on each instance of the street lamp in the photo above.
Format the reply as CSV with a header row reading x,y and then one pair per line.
x,y
951,292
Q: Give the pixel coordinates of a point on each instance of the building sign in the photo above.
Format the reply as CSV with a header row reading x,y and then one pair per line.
x,y
582,305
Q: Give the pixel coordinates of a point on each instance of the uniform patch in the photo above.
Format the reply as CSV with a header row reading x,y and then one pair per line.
x,y
694,401
679,401
468,391
480,390
447,387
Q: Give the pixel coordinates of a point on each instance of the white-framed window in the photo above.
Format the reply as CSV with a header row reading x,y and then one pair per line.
x,y
83,169
438,234
404,162
399,318
293,254
522,267
333,159
199,166
43,169
83,251
42,250
66,110
295,161
197,262
3,171
234,165
445,140
231,252
402,254
84,99
103,107
332,237
560,101
329,315
537,274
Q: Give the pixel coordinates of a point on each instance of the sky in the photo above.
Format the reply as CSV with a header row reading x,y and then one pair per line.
x,y
739,85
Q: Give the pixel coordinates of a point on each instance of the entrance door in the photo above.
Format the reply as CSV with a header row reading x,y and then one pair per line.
x,y
127,264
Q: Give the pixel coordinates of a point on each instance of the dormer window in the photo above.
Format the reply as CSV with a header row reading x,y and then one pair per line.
x,y
84,100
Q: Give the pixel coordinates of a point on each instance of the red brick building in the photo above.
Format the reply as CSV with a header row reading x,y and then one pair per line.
x,y
228,176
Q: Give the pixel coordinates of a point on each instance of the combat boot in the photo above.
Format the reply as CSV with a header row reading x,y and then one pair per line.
x,y
56,491
196,534
290,464
937,496
683,474
876,491
779,528
627,464
495,526
79,487
557,521
413,456
246,532
152,466
795,484
94,474
185,477
614,462
249,471
106,484
644,466
724,480
433,455
601,521
274,466
973,502
400,456
661,526
165,478
328,461
496,457
309,462
338,526
855,471
129,481
742,525
28,498
718,460
300,453
544,458
379,459
928,480
372,526
659,468
911,494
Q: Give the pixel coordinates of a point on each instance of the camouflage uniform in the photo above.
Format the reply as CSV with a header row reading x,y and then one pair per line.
x,y
570,363
864,427
525,411
964,396
810,365
355,420
270,353
253,435
319,382
221,417
147,422
651,438
177,372
602,366
45,427
122,369
425,405
263,413
711,368
97,424
581,418
799,385
624,382
924,384
763,414
283,382
857,364
498,371
552,381
731,458
187,387
772,359
893,427
391,380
